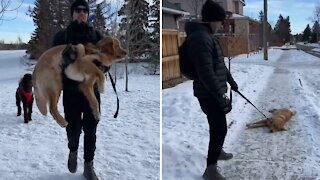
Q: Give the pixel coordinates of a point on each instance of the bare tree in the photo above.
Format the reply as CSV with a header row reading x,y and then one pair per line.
x,y
134,35
5,6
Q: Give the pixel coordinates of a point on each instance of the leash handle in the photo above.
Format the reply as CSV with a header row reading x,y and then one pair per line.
x,y
251,103
114,88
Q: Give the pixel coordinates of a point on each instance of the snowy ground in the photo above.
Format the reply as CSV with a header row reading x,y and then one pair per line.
x,y
127,147
258,154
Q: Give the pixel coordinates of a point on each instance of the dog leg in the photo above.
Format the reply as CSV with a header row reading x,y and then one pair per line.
x,y
25,112
41,98
87,89
261,123
101,81
18,103
54,98
30,109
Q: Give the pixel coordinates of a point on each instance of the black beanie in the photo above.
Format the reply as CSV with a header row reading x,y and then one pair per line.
x,y
212,11
79,3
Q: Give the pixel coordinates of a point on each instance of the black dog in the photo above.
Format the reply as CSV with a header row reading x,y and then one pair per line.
x,y
24,94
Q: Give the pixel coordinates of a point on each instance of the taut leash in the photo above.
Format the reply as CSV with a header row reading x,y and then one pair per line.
x,y
114,88
251,103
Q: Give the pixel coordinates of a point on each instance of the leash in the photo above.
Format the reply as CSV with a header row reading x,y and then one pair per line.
x,y
114,88
230,73
251,103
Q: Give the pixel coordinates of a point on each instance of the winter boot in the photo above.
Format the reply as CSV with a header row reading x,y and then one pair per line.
x,y
88,172
72,161
212,173
225,156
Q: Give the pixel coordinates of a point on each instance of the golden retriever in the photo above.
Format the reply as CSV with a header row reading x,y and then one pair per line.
x,y
47,75
276,122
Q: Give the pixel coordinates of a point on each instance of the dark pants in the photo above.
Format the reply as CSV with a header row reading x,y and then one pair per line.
x,y
79,116
217,128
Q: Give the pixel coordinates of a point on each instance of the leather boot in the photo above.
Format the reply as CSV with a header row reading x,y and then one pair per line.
x,y
72,161
212,173
89,171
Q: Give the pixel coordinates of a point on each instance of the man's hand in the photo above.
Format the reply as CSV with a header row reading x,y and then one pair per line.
x,y
225,104
234,86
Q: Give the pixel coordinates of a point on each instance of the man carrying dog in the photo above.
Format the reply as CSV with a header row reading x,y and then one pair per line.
x,y
210,85
76,107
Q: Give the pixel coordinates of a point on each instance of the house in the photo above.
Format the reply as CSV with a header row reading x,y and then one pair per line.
x,y
171,14
236,25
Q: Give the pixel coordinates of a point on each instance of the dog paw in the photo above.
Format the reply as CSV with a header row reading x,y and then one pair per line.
x,y
97,117
64,125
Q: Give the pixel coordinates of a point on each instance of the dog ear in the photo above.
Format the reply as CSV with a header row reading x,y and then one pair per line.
x,y
69,52
106,45
91,48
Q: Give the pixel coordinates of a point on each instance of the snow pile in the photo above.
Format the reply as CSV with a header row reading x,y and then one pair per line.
x,y
293,154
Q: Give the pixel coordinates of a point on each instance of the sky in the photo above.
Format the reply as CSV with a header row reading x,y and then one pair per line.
x,y
22,25
258,154
299,11
127,147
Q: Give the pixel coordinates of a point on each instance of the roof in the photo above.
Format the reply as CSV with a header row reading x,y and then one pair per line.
x,y
170,5
173,8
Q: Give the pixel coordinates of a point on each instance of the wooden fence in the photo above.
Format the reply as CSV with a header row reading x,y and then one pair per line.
x,y
171,40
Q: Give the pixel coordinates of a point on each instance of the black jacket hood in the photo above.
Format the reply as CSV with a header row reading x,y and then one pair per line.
x,y
191,27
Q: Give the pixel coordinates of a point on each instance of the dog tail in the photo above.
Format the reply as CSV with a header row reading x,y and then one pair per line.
x,y
40,100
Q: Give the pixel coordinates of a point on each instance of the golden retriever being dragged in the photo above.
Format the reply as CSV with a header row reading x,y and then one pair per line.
x,y
47,75
277,121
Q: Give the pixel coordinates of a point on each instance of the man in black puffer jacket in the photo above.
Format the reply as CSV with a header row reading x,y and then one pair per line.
x,y
210,86
76,107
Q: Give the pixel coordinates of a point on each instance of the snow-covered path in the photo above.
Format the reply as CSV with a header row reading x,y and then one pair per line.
x,y
258,154
127,147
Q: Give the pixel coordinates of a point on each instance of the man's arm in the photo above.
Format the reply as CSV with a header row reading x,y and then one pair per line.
x,y
59,38
201,52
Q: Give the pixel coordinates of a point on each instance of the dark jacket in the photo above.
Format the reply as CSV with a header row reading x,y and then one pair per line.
x,y
75,34
208,60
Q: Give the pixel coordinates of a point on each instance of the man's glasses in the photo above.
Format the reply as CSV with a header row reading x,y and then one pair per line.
x,y
78,10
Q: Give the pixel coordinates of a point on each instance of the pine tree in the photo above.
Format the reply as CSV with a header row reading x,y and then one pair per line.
x,y
306,33
49,17
282,29
315,32
99,22
133,27
155,35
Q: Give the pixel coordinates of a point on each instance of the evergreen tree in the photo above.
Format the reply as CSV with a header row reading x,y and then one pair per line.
x,y
155,34
99,22
134,26
315,32
306,34
48,17
282,29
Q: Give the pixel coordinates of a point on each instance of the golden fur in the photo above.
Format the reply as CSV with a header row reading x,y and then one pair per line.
x,y
47,75
276,122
